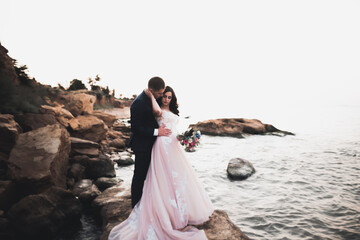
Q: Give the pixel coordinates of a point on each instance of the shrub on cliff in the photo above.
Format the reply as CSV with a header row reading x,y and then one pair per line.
x,y
76,84
26,96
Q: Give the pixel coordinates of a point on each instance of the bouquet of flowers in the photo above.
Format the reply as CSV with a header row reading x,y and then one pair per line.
x,y
190,139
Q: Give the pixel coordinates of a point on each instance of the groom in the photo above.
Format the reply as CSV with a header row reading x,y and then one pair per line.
x,y
144,130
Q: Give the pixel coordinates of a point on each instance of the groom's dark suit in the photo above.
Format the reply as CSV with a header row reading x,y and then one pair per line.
x,y
143,124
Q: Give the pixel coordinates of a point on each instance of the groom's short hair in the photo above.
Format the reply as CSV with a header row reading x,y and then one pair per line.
x,y
156,83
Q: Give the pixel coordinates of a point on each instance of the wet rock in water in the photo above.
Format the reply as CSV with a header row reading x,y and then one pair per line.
x,y
104,183
122,158
9,132
42,216
236,127
118,143
81,186
240,169
219,226
39,159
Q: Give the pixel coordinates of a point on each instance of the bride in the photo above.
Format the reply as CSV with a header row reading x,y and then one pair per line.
x,y
172,197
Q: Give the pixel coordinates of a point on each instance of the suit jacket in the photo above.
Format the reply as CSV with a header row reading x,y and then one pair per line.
x,y
143,124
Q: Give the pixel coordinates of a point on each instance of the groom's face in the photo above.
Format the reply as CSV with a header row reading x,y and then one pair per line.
x,y
157,93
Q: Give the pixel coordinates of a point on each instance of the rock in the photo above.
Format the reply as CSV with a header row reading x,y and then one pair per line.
x,y
78,103
9,132
81,186
89,195
121,127
90,128
236,127
86,191
118,104
118,143
90,152
42,216
219,226
62,115
82,143
32,121
96,167
240,169
108,119
39,159
113,196
115,205
76,171
7,194
104,183
122,160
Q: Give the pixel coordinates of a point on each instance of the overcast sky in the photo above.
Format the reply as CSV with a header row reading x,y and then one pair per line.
x,y
256,53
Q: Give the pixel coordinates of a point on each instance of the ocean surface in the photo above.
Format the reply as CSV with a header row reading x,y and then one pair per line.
x,y
306,186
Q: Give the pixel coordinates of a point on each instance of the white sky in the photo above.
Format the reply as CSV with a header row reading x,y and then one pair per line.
x,y
213,53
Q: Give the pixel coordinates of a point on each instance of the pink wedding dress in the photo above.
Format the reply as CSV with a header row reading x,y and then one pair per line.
x,y
172,196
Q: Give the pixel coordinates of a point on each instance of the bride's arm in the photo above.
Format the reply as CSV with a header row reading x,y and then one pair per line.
x,y
156,108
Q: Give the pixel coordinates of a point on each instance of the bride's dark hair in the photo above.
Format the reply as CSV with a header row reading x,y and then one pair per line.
x,y
173,106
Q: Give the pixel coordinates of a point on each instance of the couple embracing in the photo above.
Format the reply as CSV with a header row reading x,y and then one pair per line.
x,y
166,195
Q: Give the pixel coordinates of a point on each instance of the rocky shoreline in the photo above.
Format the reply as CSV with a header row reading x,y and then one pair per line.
x,y
58,167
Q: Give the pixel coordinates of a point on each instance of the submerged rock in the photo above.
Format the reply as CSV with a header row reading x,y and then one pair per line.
x,y
240,169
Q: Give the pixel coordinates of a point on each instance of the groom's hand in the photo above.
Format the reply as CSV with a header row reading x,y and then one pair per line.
x,y
163,131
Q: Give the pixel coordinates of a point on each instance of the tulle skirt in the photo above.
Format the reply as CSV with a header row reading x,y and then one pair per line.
x,y
172,199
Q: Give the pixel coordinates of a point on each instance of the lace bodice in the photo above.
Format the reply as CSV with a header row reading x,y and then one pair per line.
x,y
170,119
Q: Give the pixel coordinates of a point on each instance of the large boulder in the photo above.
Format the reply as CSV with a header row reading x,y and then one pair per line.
x,y
115,205
32,121
236,127
39,159
9,132
90,128
78,103
63,116
240,169
42,216
109,119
